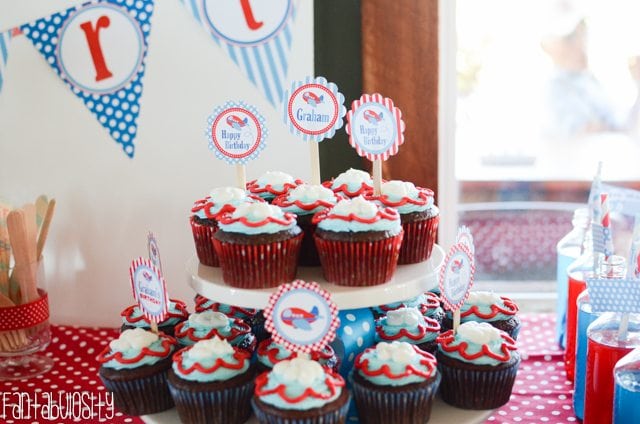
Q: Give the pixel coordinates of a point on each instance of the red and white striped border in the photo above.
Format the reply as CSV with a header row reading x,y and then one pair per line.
x,y
397,116
165,308
459,247
304,285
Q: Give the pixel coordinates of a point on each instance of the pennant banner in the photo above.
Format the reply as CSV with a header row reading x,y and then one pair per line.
x,y
99,51
5,38
255,34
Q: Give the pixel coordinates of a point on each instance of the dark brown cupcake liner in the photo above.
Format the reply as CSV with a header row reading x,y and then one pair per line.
x,y
470,386
330,415
258,266
140,396
231,405
202,237
418,241
401,405
356,263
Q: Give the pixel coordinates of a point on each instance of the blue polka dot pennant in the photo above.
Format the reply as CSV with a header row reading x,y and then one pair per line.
x,y
98,49
614,295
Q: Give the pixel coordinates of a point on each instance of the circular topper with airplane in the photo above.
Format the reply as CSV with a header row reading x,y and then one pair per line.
x,y
301,316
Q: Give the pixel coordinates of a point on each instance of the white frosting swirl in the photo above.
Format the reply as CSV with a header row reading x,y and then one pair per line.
x,y
257,212
227,194
481,333
211,319
215,347
398,189
275,178
357,206
404,316
301,370
483,298
352,177
308,193
398,352
136,338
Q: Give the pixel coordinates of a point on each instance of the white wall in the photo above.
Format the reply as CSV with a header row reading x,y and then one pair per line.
x,y
106,202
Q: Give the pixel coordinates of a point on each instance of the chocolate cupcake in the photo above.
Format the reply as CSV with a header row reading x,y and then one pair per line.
x,y
204,216
272,184
304,201
351,183
132,317
395,383
253,317
409,325
478,365
484,306
358,243
427,303
134,368
212,382
209,324
300,391
418,215
270,353
258,246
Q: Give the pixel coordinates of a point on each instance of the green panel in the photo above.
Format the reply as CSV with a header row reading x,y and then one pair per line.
x,y
338,57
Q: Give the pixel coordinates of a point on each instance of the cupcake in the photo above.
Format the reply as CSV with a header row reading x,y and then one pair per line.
x,y
351,183
304,201
132,317
258,246
270,353
209,324
300,390
427,303
212,382
272,184
409,325
478,364
395,383
253,317
358,243
134,368
484,306
418,215
204,215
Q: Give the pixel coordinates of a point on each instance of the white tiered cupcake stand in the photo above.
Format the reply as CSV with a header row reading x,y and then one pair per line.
x,y
408,281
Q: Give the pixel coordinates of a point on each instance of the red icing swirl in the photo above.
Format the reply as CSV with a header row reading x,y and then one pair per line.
x,y
382,214
129,312
167,344
272,353
284,202
430,326
509,308
332,380
426,359
233,311
433,301
424,194
255,188
207,206
446,341
344,189
289,219
238,330
241,356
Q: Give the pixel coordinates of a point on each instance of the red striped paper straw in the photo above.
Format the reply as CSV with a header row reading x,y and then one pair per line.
x,y
605,220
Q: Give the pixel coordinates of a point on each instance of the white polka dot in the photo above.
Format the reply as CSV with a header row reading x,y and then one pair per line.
x,y
350,317
359,341
348,330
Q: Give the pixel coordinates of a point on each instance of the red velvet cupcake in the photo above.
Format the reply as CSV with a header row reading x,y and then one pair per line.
x,y
358,243
272,184
410,326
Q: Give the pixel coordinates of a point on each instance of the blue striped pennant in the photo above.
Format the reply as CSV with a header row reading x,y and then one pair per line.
x,y
5,38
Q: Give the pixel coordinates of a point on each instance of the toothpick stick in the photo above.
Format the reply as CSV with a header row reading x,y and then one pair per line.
x,y
377,177
241,176
314,151
44,231
456,320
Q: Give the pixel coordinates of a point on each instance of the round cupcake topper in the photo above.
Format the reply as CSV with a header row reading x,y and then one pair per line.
x,y
375,127
154,251
456,277
236,132
301,316
149,290
464,237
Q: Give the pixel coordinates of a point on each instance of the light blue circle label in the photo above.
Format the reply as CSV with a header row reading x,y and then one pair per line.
x,y
373,128
302,316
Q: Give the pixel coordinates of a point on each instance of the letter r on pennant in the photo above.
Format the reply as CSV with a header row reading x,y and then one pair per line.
x,y
248,16
93,40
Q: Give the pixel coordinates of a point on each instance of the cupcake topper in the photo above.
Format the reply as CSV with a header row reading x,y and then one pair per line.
x,y
236,133
154,251
456,277
313,110
376,131
149,290
301,316
464,237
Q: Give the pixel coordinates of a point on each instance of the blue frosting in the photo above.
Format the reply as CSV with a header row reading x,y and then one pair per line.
x,y
282,353
362,209
131,353
473,345
483,308
143,323
201,330
416,330
252,216
214,209
221,374
375,363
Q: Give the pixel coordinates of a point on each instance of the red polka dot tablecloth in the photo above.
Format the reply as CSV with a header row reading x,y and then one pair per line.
x,y
72,391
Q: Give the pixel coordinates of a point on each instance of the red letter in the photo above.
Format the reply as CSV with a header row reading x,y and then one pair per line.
x,y
93,40
248,15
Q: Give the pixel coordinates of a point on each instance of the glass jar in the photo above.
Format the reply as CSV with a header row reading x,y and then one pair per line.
x,y
613,268
568,250
626,394
604,349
